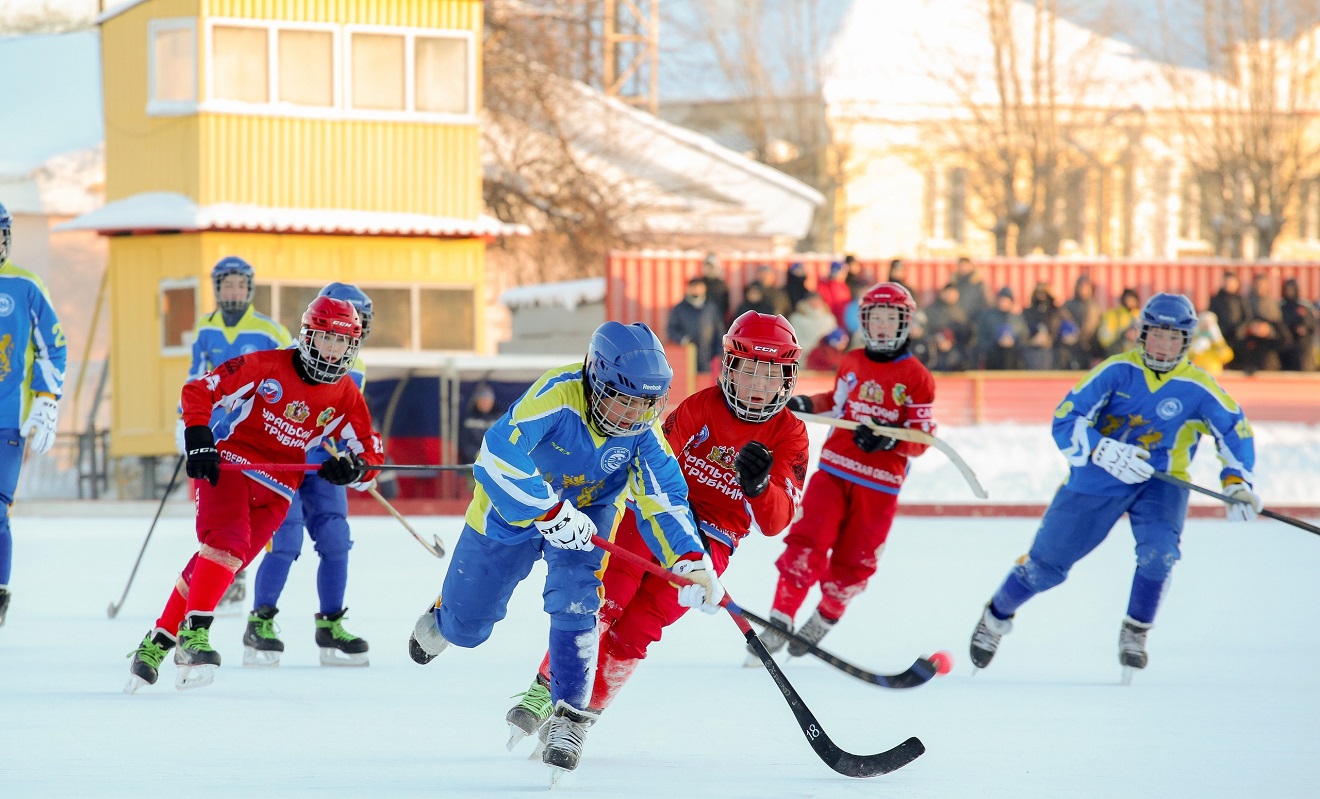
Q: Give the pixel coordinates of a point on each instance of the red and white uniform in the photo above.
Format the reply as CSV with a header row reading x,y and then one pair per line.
x,y
850,502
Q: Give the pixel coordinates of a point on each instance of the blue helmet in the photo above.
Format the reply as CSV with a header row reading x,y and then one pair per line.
x,y
233,265
627,379
6,233
354,296
1167,312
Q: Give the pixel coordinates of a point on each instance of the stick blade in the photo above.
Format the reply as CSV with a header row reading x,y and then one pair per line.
x,y
112,611
863,766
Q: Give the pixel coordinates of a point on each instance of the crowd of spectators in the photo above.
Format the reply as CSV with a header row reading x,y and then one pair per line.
x,y
970,326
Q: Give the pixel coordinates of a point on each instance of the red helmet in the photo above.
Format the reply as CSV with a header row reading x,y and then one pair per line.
x,y
760,365
886,295
329,338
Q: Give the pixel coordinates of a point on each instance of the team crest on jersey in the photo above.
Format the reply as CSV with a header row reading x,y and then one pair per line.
x,y
724,456
1169,408
6,305
701,436
613,459
6,355
850,380
871,391
270,390
899,393
297,411
325,417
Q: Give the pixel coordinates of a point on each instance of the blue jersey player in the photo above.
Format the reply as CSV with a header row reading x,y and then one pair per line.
x,y
32,354
1137,412
555,468
322,508
234,328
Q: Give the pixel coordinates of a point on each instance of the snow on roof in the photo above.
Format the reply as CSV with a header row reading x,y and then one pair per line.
x,y
567,294
65,185
171,211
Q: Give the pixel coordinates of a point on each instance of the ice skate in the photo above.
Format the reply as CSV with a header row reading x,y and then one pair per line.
x,y
1132,647
261,641
145,667
4,603
985,638
339,647
771,639
567,730
196,660
528,716
231,604
815,629
426,641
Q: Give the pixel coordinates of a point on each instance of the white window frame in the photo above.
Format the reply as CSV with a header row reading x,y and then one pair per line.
x,y
410,112
414,305
167,284
171,107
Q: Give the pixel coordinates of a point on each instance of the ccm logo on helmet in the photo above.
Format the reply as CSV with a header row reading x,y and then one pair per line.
x,y
759,348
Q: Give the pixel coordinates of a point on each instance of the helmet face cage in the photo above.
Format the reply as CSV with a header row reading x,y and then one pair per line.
x,y
1167,312
6,233
875,340
321,332
224,269
612,411
756,389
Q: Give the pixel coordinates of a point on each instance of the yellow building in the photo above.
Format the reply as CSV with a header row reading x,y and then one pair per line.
x,y
319,140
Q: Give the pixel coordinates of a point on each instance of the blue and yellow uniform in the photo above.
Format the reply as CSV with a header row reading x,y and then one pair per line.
x,y
217,342
1166,414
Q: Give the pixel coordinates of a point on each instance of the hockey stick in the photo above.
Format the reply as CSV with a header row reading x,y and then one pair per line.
x,y
922,671
114,608
437,549
1266,512
387,467
904,434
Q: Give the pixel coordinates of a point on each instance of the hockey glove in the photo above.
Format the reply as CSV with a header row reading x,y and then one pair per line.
x,y
800,403
39,428
868,439
203,458
705,591
345,468
180,445
753,464
1125,462
1246,505
568,528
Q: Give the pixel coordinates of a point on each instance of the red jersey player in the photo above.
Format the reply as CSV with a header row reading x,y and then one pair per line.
x,y
266,407
744,459
850,501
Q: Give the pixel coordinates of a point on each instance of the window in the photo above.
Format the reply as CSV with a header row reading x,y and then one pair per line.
x,y
378,72
241,64
403,317
307,67
293,302
447,319
178,312
261,301
172,65
441,75
391,318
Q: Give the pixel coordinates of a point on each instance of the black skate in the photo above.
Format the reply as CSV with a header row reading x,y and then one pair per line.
x,y
567,730
261,641
196,660
145,667
814,630
772,640
231,604
426,641
1132,647
4,603
339,647
985,638
528,716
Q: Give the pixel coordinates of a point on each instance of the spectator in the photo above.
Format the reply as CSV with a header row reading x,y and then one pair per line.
x,y
1069,354
990,328
1230,308
482,412
1043,319
834,291
1259,343
852,317
1119,331
971,289
695,321
812,320
858,278
898,274
828,354
754,300
1085,310
1299,318
795,285
774,293
946,355
1208,349
945,314
717,290
918,344
1005,352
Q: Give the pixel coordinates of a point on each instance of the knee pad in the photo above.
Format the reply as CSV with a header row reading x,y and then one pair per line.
x,y
1155,562
1039,576
330,535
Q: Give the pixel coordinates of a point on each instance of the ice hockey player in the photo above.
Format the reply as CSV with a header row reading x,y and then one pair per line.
x,y
31,382
850,500
1139,411
273,406
234,328
744,458
321,507
551,473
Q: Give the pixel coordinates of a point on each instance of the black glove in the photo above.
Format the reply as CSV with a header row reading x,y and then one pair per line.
x,y
868,440
753,463
203,458
347,468
800,403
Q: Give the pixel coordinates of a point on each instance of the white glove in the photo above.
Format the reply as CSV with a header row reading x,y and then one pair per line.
x,y
1126,462
363,485
180,445
570,528
39,429
705,591
1247,506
